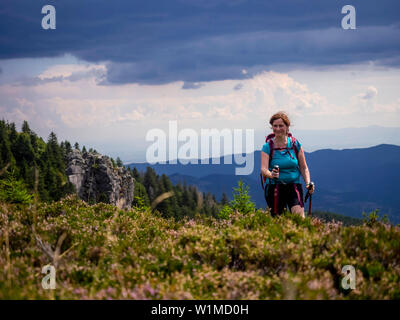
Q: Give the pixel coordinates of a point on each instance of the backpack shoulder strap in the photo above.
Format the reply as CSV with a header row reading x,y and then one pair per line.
x,y
270,142
293,141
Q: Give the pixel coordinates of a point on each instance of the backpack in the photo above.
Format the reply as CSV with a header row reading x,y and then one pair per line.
x,y
270,141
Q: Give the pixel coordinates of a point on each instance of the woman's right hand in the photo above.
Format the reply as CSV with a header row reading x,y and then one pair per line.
x,y
275,174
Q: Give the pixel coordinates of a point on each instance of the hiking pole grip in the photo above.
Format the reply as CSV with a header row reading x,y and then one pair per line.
x,y
310,186
276,168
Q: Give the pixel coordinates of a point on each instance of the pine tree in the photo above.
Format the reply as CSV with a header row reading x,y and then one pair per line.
x,y
168,205
136,175
119,162
22,149
25,127
194,198
186,197
68,147
42,190
13,132
224,199
6,155
54,152
241,199
76,146
140,197
150,183
178,191
34,141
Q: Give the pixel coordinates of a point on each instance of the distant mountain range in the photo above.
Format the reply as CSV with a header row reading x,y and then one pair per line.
x,y
348,182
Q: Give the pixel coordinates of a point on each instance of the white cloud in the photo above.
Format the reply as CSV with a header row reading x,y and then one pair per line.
x,y
68,70
84,103
79,107
238,87
371,93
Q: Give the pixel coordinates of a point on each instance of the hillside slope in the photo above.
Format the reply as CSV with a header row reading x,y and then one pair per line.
x,y
104,252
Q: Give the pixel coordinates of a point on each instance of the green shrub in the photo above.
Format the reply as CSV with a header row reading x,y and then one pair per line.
x,y
225,212
241,202
138,254
373,218
14,191
241,199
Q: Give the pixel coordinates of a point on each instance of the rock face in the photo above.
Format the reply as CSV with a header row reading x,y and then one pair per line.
x,y
96,180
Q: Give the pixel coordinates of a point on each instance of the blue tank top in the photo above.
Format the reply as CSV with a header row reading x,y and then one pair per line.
x,y
288,166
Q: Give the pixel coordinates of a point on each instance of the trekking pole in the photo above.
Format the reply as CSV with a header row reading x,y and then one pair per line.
x,y
276,191
309,195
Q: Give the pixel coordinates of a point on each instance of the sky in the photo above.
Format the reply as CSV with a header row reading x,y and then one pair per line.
x,y
112,71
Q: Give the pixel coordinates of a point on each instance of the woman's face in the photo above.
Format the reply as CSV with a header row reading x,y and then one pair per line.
x,y
279,127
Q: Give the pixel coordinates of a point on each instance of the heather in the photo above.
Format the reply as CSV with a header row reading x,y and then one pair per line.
x,y
102,252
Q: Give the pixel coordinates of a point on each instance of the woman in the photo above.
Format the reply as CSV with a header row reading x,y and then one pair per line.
x,y
284,187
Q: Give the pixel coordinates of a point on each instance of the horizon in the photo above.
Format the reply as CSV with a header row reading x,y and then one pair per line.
x,y
255,151
314,149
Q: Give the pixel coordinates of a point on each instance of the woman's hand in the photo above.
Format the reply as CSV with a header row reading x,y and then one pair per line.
x,y
310,187
275,174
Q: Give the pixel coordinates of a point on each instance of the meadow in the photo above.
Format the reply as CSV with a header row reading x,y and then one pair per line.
x,y
102,252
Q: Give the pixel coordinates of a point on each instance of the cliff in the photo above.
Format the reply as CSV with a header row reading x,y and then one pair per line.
x,y
96,180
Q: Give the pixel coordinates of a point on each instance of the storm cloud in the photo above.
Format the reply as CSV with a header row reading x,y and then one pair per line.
x,y
196,41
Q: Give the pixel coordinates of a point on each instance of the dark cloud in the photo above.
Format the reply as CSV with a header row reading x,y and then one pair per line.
x,y
193,41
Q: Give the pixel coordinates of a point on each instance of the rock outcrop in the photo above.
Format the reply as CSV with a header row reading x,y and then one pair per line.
x,y
96,180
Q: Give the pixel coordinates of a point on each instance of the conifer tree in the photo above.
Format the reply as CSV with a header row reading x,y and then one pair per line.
x,y
136,175
150,183
224,199
6,155
68,147
119,162
186,197
167,206
25,127
34,141
54,152
140,197
13,132
22,149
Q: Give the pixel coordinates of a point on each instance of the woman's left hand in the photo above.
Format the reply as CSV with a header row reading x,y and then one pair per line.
x,y
311,188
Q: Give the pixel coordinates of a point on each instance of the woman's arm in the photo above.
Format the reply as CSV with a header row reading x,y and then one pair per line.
x,y
303,167
264,165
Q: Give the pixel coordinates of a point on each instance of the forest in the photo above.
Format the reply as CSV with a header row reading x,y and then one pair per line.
x,y
29,163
